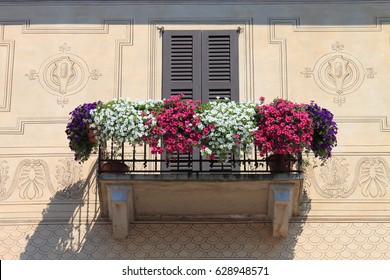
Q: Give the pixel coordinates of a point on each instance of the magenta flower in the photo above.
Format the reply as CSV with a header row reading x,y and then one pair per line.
x,y
284,128
176,130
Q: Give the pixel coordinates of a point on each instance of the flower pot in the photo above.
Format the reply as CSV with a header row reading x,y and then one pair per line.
x,y
91,135
280,163
114,166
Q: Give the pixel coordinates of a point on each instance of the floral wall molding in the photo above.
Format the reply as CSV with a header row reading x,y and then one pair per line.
x,y
338,73
69,178
374,176
63,74
32,180
3,177
334,175
276,36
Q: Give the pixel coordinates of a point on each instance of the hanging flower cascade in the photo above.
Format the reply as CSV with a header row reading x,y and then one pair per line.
x,y
284,128
218,129
177,128
230,126
121,120
77,131
325,130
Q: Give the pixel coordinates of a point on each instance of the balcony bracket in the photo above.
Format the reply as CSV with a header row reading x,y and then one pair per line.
x,y
130,198
120,209
280,207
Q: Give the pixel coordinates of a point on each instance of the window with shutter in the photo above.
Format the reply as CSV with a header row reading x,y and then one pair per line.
x,y
202,65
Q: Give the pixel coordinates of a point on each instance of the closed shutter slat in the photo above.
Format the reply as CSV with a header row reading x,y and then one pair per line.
x,y
181,64
220,72
220,65
202,65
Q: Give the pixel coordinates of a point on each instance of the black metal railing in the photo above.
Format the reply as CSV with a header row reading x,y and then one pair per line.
x,y
137,159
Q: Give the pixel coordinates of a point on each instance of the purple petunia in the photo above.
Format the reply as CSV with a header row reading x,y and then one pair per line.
x,y
325,130
77,131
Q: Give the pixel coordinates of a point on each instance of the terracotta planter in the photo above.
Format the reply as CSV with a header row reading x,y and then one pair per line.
x,y
114,166
280,163
91,135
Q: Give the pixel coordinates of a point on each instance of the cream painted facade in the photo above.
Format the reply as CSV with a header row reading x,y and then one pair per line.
x,y
334,52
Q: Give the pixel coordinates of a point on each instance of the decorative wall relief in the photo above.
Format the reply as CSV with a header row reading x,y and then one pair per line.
x,y
68,176
63,74
3,178
334,175
338,73
373,176
32,179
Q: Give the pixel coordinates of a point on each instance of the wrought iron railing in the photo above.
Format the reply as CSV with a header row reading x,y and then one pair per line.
x,y
138,159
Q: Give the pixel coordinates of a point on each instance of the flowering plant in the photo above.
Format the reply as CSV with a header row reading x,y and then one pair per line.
x,y
229,128
121,120
325,130
284,128
77,131
217,128
176,129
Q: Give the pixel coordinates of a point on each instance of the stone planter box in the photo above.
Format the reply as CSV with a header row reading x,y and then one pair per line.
x,y
126,199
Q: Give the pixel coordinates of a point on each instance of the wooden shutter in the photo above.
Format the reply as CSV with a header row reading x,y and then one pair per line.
x,y
220,64
182,64
201,65
220,72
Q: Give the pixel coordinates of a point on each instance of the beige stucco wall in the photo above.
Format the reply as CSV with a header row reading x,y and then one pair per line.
x,y
48,204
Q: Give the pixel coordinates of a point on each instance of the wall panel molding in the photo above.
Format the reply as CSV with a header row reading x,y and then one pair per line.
x,y
295,23
6,64
30,28
23,122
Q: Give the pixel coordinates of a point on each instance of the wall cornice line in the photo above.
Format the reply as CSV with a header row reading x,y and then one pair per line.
x,y
185,2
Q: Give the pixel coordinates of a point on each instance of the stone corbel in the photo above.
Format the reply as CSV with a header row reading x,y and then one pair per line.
x,y
120,209
280,207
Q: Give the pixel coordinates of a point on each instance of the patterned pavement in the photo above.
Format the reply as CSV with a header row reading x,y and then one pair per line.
x,y
196,241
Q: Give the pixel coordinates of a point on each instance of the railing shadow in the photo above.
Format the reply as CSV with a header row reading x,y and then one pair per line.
x,y
66,222
83,235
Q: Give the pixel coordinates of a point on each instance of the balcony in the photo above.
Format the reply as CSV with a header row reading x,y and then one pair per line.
x,y
136,186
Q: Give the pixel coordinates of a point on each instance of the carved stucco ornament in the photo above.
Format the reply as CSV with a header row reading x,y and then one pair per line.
x,y
63,74
334,174
68,176
32,179
373,176
3,178
338,73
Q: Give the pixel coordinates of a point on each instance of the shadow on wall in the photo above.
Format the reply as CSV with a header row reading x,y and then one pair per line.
x,y
69,216
85,236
